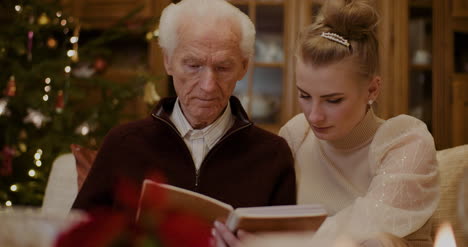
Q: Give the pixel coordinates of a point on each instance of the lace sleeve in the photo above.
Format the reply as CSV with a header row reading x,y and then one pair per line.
x,y
404,190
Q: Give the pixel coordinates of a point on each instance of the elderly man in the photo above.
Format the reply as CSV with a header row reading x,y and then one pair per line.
x,y
202,140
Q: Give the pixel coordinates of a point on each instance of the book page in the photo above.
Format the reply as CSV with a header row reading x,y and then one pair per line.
x,y
203,206
277,218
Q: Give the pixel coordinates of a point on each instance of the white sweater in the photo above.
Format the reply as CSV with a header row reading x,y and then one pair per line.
x,y
382,177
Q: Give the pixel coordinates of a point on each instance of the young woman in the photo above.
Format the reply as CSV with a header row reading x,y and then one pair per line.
x,y
378,179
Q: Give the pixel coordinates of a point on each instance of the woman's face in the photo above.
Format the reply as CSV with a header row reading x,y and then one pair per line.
x,y
334,97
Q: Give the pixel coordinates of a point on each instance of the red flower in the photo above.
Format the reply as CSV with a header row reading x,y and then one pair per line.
x,y
102,229
157,224
180,229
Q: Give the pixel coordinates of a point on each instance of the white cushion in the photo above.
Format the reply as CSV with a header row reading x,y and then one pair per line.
x,y
62,186
452,163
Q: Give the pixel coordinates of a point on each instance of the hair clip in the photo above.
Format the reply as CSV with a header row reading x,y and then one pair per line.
x,y
335,37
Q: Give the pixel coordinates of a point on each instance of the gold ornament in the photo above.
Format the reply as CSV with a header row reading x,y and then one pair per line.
x,y
22,147
149,36
23,135
51,42
43,19
150,96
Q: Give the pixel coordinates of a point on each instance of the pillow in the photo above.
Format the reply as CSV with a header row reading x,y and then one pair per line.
x,y
84,158
452,163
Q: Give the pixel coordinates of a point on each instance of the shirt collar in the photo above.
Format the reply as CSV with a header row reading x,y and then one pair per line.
x,y
211,133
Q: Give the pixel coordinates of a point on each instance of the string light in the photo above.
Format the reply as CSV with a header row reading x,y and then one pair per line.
x,y
71,53
73,39
47,89
18,8
14,188
32,173
58,14
45,97
8,204
37,158
47,80
85,130
67,69
63,22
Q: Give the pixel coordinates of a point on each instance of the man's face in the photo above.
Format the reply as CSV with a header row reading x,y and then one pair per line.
x,y
205,66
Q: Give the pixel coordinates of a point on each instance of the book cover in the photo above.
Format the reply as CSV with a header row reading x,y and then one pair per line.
x,y
250,219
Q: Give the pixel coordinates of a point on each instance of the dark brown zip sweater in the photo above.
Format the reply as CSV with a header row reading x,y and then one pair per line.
x,y
247,167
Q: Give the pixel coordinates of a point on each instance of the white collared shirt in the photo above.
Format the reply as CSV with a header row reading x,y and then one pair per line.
x,y
201,141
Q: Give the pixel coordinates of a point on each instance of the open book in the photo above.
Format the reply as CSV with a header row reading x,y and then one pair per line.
x,y
251,219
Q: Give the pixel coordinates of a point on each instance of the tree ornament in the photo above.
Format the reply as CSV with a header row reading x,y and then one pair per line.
x,y
83,70
150,95
22,147
7,160
36,118
85,128
60,102
10,90
3,107
100,64
51,43
43,19
30,44
23,135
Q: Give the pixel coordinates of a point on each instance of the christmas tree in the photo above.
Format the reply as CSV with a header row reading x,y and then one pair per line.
x,y
51,94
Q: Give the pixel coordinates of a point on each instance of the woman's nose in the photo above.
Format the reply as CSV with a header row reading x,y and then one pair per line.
x,y
316,115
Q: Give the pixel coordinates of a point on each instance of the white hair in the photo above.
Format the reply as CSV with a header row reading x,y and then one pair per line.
x,y
207,10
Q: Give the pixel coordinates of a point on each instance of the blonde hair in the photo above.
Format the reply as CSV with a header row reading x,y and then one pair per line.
x,y
174,15
355,21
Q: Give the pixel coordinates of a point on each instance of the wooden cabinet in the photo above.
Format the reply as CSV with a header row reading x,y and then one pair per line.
x,y
460,8
424,56
268,91
262,90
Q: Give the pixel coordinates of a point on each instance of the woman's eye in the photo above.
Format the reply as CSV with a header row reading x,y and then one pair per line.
x,y
335,101
304,96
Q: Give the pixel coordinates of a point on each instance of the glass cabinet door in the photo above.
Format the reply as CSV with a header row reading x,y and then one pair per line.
x,y
420,60
261,90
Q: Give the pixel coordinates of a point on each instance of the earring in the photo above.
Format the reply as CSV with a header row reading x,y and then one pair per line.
x,y
370,102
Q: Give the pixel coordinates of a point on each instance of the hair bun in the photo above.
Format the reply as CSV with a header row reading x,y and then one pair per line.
x,y
353,19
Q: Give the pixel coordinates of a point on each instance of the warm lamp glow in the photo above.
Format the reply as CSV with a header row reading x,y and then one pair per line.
x,y
445,237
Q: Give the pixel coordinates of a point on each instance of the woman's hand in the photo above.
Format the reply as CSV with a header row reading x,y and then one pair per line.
x,y
223,237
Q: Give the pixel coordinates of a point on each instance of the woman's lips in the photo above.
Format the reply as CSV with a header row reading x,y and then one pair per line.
x,y
321,129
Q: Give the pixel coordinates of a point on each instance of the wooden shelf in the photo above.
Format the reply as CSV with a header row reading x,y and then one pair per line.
x,y
270,2
421,67
420,3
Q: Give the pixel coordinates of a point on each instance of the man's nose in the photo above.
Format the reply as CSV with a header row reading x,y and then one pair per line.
x,y
208,80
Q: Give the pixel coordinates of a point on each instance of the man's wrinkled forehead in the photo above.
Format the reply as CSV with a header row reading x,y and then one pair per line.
x,y
207,29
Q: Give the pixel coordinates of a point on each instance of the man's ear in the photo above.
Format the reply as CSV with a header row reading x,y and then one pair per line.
x,y
374,88
167,63
245,67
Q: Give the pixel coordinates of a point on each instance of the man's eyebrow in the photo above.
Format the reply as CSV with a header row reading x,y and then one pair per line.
x,y
191,59
226,62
